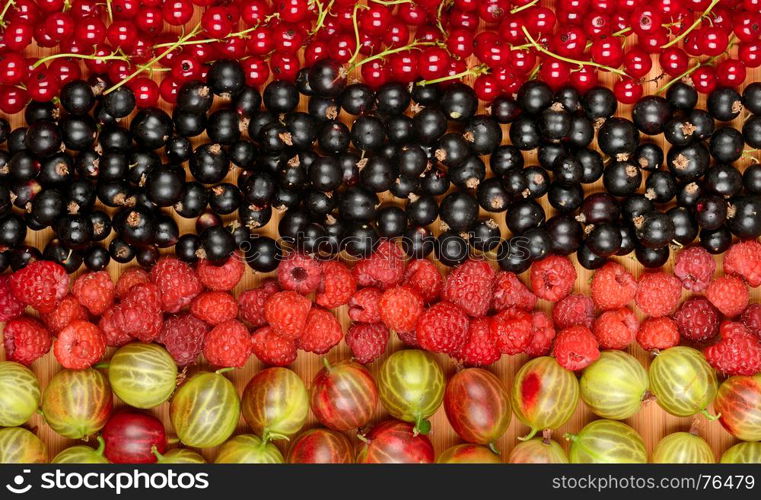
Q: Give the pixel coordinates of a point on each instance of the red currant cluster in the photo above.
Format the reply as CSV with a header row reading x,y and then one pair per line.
x,y
503,43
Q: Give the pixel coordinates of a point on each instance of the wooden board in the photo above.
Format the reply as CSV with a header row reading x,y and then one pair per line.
x,y
652,422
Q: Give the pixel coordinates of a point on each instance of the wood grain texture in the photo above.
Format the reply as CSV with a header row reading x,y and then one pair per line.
x,y
652,422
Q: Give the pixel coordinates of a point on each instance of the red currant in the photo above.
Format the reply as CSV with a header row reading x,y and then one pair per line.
x,y
750,54
627,91
185,68
570,42
42,85
59,25
13,68
404,66
253,12
646,20
674,61
492,11
411,14
704,79
653,42
18,35
50,5
398,35
260,42
90,30
12,99
125,9
119,70
747,26
122,34
460,43
434,62
256,70
316,50
217,21
99,65
375,19
713,41
486,87
231,47
342,47
149,20
288,38
168,89
293,11
637,63
509,80
374,73
607,51
66,70
24,10
464,20
177,12
598,26
284,66
730,73
510,29
555,73
522,60
584,78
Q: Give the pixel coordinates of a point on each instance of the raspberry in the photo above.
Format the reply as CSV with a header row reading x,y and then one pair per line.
x,y
10,306
408,338
574,310
337,286
658,293
697,319
321,332
470,287
183,336
214,307
425,278
694,267
552,278
658,333
364,305
41,284
751,318
112,331
443,327
367,341
738,352
575,348
542,335
272,349
251,302
95,291
743,259
138,315
221,277
400,308
177,283
299,272
729,294
512,329
286,312
509,291
228,344
68,310
616,329
80,345
384,268
129,278
613,287
25,339
480,348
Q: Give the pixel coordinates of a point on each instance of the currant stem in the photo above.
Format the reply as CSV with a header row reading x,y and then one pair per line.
x,y
475,71
440,11
685,74
109,57
8,5
524,6
237,34
322,14
355,23
389,3
694,25
388,52
543,50
109,11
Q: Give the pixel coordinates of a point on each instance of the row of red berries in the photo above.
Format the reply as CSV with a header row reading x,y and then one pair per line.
x,y
397,41
473,314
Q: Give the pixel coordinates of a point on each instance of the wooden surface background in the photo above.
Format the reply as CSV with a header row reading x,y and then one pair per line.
x,y
652,422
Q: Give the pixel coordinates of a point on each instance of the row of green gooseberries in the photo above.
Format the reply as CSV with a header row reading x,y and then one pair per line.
x,y
601,441
411,385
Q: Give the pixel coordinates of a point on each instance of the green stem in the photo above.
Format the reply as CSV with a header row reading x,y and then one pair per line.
x,y
389,3
694,25
323,13
529,435
385,53
475,71
326,364
101,445
8,5
110,12
422,426
439,12
543,50
224,370
101,366
238,34
153,61
687,73
622,31
355,23
493,448
524,7
110,57
708,416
